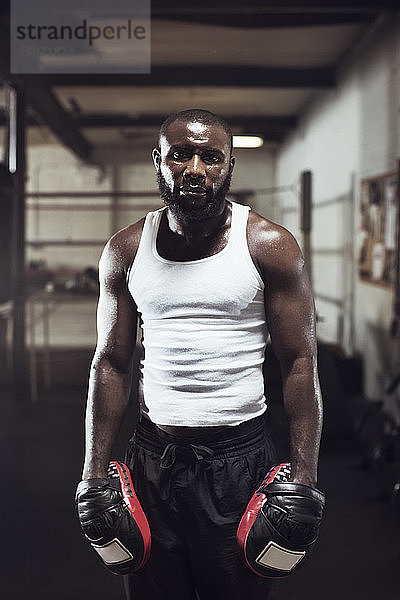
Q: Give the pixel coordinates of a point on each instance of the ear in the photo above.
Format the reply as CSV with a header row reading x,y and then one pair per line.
x,y
232,162
156,155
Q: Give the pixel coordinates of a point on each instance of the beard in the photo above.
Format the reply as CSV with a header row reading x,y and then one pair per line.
x,y
187,211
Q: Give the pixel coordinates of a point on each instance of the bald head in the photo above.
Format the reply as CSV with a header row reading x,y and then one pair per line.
x,y
196,115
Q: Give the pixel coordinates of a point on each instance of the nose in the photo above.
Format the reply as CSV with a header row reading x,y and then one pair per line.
x,y
195,167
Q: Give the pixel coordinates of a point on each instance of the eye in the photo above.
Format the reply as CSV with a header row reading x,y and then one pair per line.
x,y
211,158
181,155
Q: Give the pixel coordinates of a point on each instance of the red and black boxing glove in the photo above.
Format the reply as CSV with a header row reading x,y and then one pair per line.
x,y
113,520
280,525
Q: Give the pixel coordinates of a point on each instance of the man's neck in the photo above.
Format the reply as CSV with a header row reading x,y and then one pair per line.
x,y
196,230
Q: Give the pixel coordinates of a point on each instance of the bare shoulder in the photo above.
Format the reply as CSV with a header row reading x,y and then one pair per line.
x,y
273,248
121,249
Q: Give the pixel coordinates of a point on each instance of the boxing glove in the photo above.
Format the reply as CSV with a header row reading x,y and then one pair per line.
x,y
113,520
280,525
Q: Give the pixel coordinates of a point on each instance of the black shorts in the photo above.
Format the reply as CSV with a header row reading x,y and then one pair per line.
x,y
194,493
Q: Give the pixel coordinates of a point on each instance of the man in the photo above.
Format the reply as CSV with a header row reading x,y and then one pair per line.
x,y
210,280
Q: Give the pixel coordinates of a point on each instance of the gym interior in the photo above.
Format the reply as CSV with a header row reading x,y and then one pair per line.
x,y
317,88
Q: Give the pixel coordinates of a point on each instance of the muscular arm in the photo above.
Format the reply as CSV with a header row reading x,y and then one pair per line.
x,y
291,321
110,374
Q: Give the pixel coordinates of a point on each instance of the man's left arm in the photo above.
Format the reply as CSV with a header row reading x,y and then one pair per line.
x,y
280,525
291,320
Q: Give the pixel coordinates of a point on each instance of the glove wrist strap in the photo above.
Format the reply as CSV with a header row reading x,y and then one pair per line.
x,y
100,482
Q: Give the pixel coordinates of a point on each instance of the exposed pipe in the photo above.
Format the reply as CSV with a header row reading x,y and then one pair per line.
x,y
17,133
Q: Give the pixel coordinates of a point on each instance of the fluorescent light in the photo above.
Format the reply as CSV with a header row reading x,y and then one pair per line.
x,y
247,141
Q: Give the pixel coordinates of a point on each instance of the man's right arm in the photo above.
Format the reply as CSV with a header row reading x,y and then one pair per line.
x,y
111,369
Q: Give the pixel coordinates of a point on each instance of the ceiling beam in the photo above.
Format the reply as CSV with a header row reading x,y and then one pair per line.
x,y
270,126
270,20
206,75
52,114
271,129
273,6
44,103
286,13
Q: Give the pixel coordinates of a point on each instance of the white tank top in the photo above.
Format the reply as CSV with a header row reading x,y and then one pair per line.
x,y
204,331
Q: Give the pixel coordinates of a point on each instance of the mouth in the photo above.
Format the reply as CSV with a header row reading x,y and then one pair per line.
x,y
193,190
